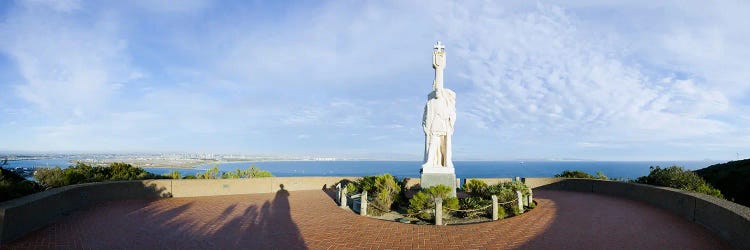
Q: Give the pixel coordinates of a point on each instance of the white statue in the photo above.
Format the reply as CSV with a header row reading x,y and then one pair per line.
x,y
439,117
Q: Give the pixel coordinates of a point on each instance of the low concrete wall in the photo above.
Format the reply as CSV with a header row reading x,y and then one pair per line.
x,y
193,188
729,220
490,181
26,214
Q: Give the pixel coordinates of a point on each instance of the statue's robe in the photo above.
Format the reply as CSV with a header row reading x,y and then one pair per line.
x,y
437,122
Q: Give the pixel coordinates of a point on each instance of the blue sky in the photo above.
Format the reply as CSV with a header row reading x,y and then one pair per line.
x,y
628,80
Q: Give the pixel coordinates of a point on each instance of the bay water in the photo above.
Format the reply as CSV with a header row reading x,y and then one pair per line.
x,y
464,169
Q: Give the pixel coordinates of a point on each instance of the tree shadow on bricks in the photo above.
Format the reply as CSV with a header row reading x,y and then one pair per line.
x,y
262,224
257,221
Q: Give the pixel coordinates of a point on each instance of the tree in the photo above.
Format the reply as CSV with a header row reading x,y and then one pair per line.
x,y
13,185
677,177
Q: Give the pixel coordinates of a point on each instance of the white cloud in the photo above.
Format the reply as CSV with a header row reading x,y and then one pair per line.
x,y
57,5
538,75
68,67
545,80
170,6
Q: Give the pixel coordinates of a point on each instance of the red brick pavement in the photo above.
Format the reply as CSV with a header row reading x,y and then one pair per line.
x,y
310,219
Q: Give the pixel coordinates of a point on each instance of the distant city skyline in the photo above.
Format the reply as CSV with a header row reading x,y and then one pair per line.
x,y
622,80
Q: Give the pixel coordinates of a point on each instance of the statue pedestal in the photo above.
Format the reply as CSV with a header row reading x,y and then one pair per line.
x,y
433,176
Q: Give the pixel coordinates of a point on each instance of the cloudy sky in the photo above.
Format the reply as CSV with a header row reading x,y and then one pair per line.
x,y
630,80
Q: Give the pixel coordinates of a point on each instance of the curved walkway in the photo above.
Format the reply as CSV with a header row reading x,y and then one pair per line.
x,y
310,219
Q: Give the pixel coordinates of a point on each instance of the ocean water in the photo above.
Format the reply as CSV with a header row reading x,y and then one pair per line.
x,y
464,169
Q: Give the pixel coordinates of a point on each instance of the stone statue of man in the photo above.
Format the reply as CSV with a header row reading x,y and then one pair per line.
x,y
439,117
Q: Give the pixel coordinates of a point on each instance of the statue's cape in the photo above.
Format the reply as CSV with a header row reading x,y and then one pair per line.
x,y
450,97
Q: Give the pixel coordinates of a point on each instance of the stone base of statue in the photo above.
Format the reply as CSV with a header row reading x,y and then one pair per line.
x,y
433,176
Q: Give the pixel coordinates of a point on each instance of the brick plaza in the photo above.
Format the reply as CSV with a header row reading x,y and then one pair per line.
x,y
311,219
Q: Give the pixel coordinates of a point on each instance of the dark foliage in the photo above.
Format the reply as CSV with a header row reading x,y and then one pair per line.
x,y
731,178
13,185
85,173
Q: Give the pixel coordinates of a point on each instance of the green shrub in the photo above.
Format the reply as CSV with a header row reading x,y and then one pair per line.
x,y
189,177
386,191
250,172
475,187
212,173
501,212
517,186
423,202
581,174
236,174
13,185
677,177
367,183
50,177
473,203
512,209
254,172
505,191
418,205
601,176
351,188
574,174
85,173
174,175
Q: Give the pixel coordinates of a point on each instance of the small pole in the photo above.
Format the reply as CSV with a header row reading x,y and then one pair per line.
x,y
494,208
526,201
531,196
338,193
343,197
519,197
363,204
518,179
439,211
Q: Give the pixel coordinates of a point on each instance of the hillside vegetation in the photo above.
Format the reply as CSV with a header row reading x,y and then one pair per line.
x,y
732,178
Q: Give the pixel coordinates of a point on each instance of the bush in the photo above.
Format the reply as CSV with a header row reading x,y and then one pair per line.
x,y
385,189
731,179
512,209
13,185
505,191
174,175
212,173
475,187
367,183
581,174
351,188
423,202
473,203
418,205
85,173
501,213
50,177
250,172
253,172
677,177
236,174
